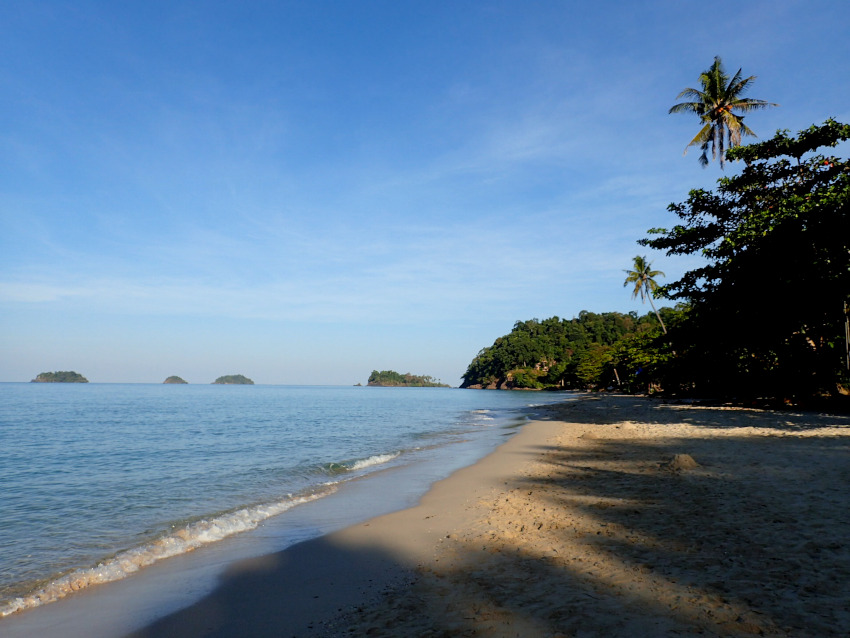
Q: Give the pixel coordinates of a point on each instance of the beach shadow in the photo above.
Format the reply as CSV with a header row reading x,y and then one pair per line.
x,y
752,540
605,538
285,594
612,408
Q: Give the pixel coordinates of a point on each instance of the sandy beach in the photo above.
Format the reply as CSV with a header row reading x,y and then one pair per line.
x,y
606,516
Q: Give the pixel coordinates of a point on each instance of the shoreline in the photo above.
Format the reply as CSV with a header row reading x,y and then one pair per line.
x,y
611,515
605,515
117,607
307,589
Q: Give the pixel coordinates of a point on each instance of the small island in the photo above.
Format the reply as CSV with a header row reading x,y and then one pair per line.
x,y
233,379
175,379
393,379
68,376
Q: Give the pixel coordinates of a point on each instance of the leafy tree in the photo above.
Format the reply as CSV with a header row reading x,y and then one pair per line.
x,y
592,365
767,307
643,277
526,378
714,103
645,362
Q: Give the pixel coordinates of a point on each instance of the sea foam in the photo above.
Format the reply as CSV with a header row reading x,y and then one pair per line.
x,y
113,459
180,541
378,459
359,464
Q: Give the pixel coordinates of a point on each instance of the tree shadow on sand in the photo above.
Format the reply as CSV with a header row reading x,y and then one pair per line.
x,y
603,536
602,409
752,540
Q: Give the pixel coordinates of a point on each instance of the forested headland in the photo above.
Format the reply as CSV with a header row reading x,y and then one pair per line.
x,y
391,378
766,317
590,351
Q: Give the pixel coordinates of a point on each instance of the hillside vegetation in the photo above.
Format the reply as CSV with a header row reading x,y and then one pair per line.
x,y
65,376
775,231
588,351
392,378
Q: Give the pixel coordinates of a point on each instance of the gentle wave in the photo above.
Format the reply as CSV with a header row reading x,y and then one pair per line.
x,y
180,541
359,464
378,459
50,431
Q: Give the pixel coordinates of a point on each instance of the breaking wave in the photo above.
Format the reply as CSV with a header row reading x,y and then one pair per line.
x,y
179,541
359,464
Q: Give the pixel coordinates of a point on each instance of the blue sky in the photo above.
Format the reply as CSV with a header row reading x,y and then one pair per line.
x,y
302,192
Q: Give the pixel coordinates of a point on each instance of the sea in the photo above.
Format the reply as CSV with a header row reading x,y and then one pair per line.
x,y
100,481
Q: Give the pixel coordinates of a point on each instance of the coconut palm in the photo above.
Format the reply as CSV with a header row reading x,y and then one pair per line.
x,y
714,103
643,277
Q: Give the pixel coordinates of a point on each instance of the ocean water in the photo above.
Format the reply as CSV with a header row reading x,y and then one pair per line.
x,y
98,481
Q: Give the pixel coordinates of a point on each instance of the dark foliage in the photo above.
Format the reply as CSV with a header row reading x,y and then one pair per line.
x,y
768,307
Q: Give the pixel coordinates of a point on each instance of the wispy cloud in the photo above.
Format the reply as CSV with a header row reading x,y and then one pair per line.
x,y
278,176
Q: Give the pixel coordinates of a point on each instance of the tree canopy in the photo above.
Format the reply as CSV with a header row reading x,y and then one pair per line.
x,y
767,308
715,102
643,278
588,351
763,317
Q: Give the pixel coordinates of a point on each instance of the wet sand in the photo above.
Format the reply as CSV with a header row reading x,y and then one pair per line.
x,y
607,516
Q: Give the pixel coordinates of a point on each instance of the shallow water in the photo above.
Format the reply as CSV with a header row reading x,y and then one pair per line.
x,y
101,480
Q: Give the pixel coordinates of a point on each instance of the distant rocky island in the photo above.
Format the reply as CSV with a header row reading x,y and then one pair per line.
x,y
233,379
174,379
391,378
60,377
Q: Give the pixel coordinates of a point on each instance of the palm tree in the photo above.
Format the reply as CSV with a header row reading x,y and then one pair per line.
x,y
714,104
643,277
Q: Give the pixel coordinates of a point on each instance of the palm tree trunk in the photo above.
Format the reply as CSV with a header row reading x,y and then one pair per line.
x,y
663,327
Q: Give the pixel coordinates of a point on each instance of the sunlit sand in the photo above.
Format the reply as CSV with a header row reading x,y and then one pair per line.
x,y
614,516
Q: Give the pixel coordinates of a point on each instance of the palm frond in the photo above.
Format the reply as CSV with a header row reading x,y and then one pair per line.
x,y
714,104
748,104
721,144
737,85
734,124
746,130
641,275
687,107
689,92
715,78
701,138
